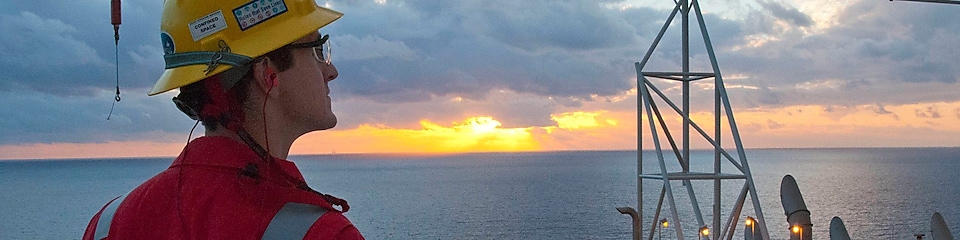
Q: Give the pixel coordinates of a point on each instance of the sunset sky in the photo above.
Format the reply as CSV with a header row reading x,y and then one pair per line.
x,y
469,76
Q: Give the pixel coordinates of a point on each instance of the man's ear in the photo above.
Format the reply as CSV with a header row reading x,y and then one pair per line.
x,y
265,75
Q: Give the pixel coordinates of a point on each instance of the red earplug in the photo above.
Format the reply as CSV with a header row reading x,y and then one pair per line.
x,y
271,77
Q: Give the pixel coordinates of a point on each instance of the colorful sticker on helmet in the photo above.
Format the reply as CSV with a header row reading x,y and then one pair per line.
x,y
167,42
207,25
258,11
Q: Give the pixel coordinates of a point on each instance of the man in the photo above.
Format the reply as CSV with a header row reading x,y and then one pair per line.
x,y
255,73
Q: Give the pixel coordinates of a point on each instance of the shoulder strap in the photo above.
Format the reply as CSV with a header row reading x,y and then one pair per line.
x,y
103,224
293,221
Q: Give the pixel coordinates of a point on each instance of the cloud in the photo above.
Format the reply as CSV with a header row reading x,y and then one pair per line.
x,y
36,51
478,134
881,110
520,62
67,48
34,117
471,48
54,45
929,112
577,120
876,51
566,25
786,13
511,108
475,134
371,47
814,126
773,124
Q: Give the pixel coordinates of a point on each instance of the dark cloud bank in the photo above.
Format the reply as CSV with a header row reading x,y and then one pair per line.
x,y
59,64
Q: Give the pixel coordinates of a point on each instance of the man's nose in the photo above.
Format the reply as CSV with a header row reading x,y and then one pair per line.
x,y
329,71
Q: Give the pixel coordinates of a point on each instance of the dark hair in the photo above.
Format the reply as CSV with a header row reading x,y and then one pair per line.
x,y
194,97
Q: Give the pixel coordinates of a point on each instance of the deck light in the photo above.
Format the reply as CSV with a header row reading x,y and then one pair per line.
x,y
798,230
752,224
664,223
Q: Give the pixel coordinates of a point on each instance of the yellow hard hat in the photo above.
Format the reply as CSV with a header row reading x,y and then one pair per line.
x,y
202,38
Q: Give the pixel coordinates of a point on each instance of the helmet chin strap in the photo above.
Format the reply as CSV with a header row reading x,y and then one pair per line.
x,y
211,59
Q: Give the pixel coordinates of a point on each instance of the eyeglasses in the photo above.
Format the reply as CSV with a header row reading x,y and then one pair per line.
x,y
318,47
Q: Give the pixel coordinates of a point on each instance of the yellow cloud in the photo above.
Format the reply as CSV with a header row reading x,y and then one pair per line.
x,y
475,134
577,120
573,131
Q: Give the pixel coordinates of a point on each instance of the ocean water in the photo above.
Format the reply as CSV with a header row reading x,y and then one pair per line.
x,y
883,193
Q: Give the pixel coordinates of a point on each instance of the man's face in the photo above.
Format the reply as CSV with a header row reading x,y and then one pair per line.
x,y
303,90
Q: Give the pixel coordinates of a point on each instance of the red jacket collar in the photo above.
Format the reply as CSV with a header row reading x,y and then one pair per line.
x,y
226,152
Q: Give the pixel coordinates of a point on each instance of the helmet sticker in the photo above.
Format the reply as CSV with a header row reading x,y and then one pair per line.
x,y
258,11
167,42
207,25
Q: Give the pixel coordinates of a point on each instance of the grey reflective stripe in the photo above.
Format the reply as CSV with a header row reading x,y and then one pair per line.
x,y
103,224
293,221
174,60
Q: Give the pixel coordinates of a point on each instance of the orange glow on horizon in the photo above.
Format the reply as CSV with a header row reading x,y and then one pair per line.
x,y
133,149
932,124
475,134
573,131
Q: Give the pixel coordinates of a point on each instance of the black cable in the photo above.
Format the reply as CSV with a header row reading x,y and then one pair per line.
x,y
183,225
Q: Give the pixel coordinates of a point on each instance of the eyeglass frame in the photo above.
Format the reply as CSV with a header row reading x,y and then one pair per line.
x,y
318,46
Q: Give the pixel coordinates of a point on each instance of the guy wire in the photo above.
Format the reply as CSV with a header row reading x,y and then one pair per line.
x,y
116,54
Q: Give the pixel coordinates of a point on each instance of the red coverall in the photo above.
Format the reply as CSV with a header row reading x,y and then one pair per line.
x,y
212,192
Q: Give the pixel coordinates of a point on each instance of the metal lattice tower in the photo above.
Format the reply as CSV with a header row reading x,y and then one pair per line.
x,y
646,104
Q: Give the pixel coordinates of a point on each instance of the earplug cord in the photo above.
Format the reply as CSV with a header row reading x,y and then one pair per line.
x,y
183,224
